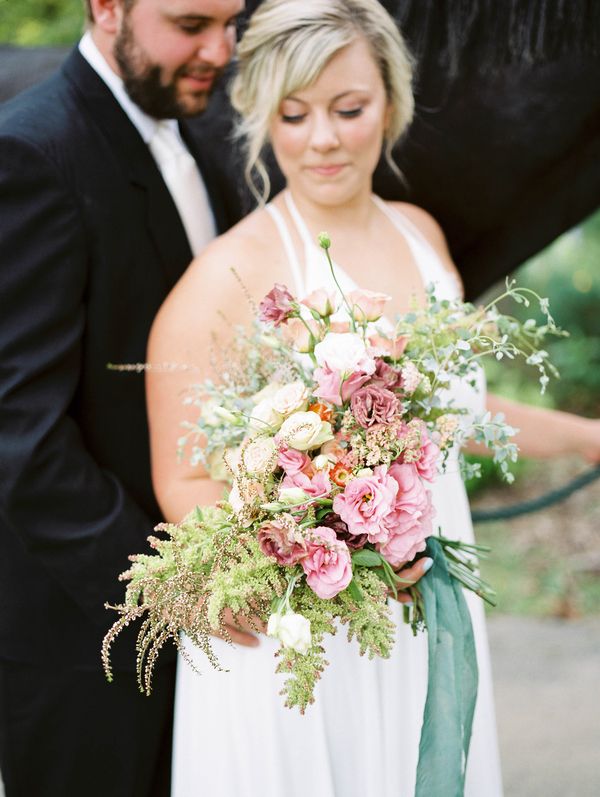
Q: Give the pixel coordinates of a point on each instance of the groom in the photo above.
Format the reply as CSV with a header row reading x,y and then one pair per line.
x,y
102,207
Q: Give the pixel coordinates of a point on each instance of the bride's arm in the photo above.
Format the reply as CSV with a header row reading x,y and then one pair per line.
x,y
208,301
546,433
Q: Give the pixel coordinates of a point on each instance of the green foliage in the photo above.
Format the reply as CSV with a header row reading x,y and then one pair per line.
x,y
568,273
40,22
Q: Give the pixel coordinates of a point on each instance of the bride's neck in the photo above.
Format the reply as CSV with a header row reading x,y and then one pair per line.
x,y
352,215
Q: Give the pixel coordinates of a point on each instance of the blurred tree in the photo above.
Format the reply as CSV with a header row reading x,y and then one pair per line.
x,y
36,22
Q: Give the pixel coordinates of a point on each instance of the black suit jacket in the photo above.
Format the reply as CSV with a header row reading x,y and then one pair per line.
x,y
90,244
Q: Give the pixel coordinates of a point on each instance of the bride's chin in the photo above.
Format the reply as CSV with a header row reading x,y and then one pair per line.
x,y
330,194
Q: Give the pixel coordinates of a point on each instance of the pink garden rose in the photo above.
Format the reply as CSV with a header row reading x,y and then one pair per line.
x,y
332,388
410,521
276,307
373,405
427,464
283,540
292,461
366,503
420,449
327,563
316,486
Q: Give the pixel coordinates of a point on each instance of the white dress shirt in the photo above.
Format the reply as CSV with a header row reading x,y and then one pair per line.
x,y
176,164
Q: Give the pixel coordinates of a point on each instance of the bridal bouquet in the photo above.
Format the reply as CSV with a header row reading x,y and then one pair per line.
x,y
329,432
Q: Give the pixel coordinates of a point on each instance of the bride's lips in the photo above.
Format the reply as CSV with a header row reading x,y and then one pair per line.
x,y
327,170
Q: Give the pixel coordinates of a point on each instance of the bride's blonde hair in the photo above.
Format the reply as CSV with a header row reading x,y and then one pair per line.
x,y
285,48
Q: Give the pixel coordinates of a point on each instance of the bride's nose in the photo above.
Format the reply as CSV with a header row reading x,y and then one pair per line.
x,y
323,134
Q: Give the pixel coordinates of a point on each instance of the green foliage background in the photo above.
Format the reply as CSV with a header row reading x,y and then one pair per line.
x,y
37,22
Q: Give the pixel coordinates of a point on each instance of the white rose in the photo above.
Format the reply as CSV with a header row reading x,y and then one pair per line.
x,y
292,630
344,352
305,430
259,456
290,398
264,418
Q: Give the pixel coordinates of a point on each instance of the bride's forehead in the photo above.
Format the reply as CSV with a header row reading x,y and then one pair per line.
x,y
352,68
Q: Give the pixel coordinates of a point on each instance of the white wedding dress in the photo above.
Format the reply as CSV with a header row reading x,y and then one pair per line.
x,y
233,736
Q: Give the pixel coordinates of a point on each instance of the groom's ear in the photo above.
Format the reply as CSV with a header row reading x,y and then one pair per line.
x,y
107,15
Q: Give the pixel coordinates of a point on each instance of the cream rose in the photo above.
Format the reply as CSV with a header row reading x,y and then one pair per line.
x,y
304,431
290,398
260,456
264,418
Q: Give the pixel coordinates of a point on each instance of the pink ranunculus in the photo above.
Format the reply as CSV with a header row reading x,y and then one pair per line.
x,y
367,305
321,301
366,502
283,540
410,520
374,405
331,387
276,307
327,564
292,461
388,347
316,486
386,375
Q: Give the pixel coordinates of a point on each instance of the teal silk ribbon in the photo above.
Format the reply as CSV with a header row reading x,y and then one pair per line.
x,y
452,684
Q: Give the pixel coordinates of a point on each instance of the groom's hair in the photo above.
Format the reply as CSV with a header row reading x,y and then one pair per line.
x,y
90,16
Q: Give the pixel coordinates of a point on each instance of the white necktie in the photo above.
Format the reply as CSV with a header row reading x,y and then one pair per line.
x,y
180,173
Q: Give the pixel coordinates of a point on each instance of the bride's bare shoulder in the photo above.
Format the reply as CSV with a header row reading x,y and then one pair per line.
x,y
431,231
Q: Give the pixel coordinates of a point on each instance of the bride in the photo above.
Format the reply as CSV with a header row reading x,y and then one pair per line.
x,y
327,83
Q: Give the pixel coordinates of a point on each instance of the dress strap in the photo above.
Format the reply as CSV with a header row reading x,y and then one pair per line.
x,y
288,245
426,258
298,221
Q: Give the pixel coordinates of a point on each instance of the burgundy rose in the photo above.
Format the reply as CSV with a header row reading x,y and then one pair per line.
x,y
353,541
374,405
277,306
386,375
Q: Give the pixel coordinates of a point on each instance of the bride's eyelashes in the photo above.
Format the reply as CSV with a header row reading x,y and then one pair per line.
x,y
350,113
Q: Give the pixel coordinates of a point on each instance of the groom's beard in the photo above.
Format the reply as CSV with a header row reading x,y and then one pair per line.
x,y
144,84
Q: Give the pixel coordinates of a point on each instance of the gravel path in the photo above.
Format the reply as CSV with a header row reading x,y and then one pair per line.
x,y
547,684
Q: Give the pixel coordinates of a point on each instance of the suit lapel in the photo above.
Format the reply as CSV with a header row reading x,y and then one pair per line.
x,y
164,225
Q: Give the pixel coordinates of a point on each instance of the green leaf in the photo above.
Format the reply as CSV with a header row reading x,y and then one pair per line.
x,y
367,558
355,591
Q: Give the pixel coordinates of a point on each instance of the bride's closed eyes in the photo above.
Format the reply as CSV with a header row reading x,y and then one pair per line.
x,y
296,118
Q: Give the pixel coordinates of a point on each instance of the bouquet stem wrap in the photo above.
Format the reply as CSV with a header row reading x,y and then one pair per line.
x,y
452,686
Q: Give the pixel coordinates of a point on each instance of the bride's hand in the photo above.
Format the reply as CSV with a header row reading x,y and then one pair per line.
x,y
241,630
411,575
